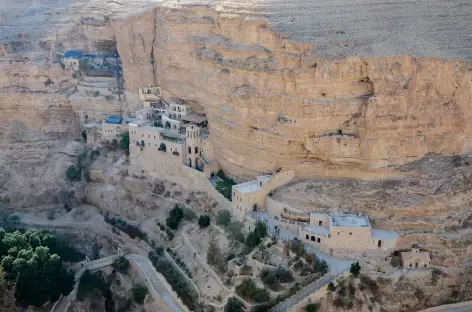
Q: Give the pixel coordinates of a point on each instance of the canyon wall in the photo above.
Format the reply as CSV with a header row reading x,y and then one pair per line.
x,y
273,103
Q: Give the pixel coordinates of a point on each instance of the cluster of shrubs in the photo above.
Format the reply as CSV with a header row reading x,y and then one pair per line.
x,y
133,231
174,218
165,229
273,277
225,185
204,221
179,261
255,237
341,291
82,164
313,263
249,289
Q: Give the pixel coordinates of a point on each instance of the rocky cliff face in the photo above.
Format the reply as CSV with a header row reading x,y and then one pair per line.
x,y
281,87
272,103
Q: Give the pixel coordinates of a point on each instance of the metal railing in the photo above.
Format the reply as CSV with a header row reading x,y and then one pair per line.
x,y
306,291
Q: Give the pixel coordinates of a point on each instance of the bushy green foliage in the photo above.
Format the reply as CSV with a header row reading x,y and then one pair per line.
x,y
133,231
8,220
273,277
82,164
39,275
204,221
225,186
121,264
124,141
214,255
355,268
249,289
255,237
234,305
175,278
139,292
312,307
220,174
321,266
261,229
175,215
73,174
223,217
331,287
89,283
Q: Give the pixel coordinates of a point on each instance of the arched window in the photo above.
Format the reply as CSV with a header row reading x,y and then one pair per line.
x,y
307,236
196,150
189,150
313,239
319,240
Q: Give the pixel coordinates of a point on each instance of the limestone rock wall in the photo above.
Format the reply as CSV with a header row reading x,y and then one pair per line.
x,y
272,103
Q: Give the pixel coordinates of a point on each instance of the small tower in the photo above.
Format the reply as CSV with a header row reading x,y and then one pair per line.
x,y
193,146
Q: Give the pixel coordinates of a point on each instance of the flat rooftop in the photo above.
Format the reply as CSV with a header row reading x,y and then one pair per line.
x,y
254,185
153,129
316,229
194,118
93,124
349,220
172,136
248,187
382,234
264,178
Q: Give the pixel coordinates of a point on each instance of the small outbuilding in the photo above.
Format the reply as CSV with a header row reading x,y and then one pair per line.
x,y
415,258
72,58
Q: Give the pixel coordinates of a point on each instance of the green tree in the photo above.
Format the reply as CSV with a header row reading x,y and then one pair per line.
x,y
261,229
252,240
234,305
175,215
223,217
213,252
331,287
312,307
84,135
37,273
139,292
249,289
124,142
89,282
204,221
355,268
73,174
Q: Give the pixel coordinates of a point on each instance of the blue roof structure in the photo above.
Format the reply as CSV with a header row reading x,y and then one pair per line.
x,y
73,54
114,120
